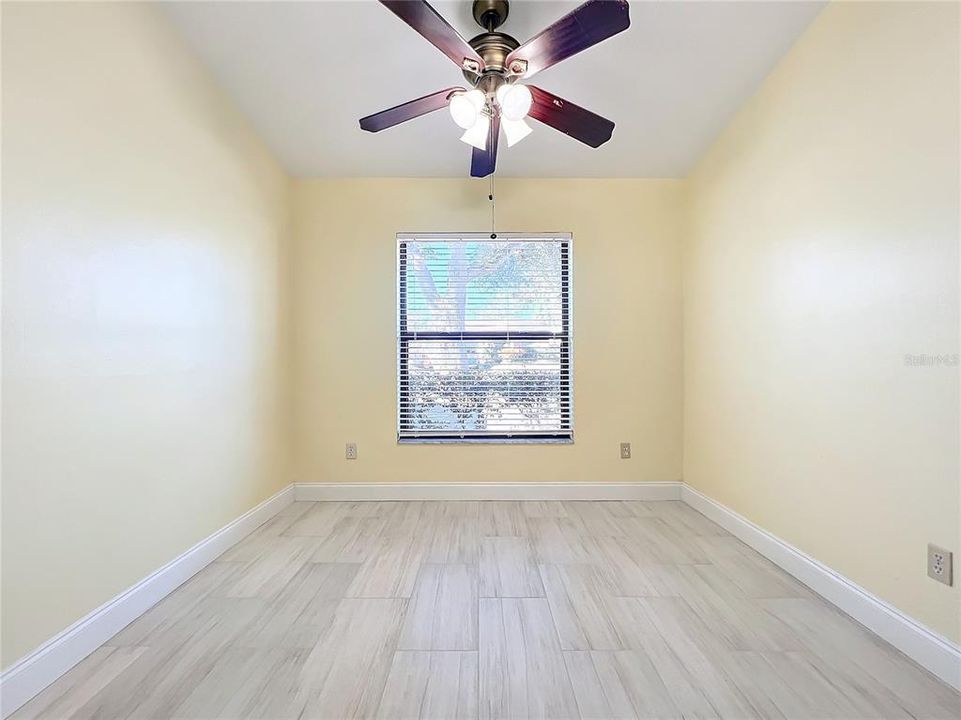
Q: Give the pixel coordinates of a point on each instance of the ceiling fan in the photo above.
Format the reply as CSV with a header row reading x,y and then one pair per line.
x,y
494,64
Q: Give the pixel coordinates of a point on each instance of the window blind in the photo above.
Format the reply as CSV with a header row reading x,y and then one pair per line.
x,y
484,338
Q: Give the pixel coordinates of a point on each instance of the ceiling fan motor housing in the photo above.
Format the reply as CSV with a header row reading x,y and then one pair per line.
x,y
493,46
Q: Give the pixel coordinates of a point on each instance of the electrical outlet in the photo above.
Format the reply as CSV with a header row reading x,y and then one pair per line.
x,y
625,451
351,453
940,564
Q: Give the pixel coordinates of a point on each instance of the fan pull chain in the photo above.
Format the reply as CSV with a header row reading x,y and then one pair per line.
x,y
490,196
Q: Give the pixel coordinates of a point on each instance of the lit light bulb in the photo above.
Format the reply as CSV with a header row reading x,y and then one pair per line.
x,y
515,130
477,134
515,101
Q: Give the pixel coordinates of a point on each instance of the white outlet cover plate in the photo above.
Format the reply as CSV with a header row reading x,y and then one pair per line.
x,y
940,558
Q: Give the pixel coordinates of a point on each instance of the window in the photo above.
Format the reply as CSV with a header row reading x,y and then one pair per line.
x,y
484,338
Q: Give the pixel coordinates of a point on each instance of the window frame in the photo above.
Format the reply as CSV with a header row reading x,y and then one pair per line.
x,y
565,436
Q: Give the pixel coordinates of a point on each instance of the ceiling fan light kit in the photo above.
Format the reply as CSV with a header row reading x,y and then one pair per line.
x,y
497,68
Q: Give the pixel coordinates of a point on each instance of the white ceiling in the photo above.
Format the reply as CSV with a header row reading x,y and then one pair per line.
x,y
305,72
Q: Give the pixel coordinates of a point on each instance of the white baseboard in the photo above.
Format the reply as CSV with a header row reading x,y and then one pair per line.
x,y
937,654
36,671
488,491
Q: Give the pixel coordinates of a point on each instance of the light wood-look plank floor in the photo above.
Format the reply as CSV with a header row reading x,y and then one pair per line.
x,y
493,610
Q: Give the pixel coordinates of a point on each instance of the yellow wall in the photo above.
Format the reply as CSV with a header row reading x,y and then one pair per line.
x,y
627,347
822,249
142,245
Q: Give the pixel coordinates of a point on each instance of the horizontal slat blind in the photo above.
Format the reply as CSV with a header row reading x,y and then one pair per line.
x,y
484,343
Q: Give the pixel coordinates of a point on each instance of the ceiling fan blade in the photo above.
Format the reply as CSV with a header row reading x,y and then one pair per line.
x,y
569,118
483,162
437,31
408,111
587,25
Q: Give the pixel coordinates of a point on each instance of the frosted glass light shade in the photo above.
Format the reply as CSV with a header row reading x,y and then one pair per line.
x,y
462,110
465,108
477,98
515,130
476,135
515,102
